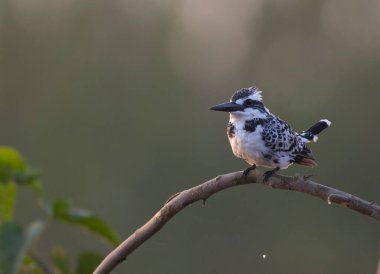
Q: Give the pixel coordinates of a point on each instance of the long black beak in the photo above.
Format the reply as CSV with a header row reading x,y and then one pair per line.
x,y
228,107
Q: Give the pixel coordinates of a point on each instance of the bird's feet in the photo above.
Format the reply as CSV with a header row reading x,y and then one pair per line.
x,y
246,172
269,173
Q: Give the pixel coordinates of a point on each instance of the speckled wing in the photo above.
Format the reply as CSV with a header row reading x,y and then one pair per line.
x,y
303,155
281,138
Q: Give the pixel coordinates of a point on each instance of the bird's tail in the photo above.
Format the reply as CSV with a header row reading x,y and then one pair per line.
x,y
312,133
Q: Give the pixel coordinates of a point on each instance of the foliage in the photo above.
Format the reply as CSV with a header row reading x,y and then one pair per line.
x,y
61,210
17,254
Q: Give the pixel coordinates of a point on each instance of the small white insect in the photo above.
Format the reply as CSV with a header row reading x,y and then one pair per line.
x,y
263,139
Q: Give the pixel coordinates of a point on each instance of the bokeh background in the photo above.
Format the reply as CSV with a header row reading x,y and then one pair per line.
x,y
109,99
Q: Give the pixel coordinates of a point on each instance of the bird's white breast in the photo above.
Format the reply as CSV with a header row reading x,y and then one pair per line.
x,y
249,145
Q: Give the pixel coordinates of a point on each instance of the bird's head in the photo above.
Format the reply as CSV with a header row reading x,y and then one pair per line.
x,y
245,103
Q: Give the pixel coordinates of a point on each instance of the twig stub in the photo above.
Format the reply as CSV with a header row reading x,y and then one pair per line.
x,y
203,191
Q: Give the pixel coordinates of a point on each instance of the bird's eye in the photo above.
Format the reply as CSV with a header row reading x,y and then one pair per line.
x,y
249,102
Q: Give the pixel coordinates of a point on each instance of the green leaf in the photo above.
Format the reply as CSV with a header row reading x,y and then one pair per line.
x,y
11,163
14,243
87,262
29,177
61,210
14,169
34,185
11,243
26,176
60,260
7,201
29,266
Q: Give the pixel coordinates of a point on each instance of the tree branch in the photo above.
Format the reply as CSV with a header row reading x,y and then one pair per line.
x,y
205,190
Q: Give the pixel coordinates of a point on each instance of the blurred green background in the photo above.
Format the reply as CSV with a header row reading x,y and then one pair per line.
x,y
110,100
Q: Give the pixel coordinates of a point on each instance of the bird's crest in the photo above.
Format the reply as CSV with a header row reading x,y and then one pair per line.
x,y
252,92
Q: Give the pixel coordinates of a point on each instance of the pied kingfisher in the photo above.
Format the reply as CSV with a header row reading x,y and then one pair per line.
x,y
261,138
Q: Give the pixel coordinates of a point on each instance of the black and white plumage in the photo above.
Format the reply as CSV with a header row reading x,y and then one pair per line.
x,y
261,138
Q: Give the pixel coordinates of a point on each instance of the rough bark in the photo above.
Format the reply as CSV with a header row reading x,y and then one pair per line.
x,y
203,191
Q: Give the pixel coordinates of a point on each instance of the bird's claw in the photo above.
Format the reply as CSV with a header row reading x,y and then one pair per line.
x,y
246,171
269,174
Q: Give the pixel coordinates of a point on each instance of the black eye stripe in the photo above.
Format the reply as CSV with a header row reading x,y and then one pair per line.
x,y
249,103
254,103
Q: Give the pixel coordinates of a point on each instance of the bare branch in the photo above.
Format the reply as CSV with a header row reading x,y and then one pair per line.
x,y
203,191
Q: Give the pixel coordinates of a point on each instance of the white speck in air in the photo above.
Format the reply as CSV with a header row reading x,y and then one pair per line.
x,y
328,200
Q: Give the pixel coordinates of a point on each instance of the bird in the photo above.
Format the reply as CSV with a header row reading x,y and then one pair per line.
x,y
262,138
